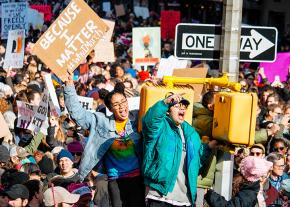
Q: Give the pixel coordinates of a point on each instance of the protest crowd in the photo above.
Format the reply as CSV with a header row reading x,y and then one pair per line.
x,y
91,153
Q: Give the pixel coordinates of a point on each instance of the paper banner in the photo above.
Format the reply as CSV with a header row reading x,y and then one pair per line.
x,y
120,10
54,106
70,38
141,11
86,102
39,122
106,6
167,65
14,55
146,45
35,18
25,114
13,17
104,52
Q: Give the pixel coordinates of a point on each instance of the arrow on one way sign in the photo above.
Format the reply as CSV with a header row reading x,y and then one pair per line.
x,y
255,44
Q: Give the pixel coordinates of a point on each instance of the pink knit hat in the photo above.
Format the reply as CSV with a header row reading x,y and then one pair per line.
x,y
75,146
252,168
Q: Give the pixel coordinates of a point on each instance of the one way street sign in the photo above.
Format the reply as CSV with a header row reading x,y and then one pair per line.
x,y
202,42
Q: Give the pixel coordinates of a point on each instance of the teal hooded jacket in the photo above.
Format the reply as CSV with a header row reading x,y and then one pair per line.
x,y
162,148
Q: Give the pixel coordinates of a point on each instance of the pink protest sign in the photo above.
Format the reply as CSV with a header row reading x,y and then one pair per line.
x,y
279,67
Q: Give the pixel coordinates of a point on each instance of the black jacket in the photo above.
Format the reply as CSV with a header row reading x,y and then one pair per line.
x,y
246,197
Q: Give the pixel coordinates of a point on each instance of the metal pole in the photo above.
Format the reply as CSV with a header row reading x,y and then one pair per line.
x,y
230,40
229,63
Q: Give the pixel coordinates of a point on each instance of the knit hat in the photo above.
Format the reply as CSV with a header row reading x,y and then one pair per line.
x,y
94,95
82,189
57,194
45,165
4,154
64,153
75,146
252,168
10,117
285,185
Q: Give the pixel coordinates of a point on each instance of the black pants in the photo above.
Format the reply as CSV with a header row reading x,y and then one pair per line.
x,y
154,203
127,192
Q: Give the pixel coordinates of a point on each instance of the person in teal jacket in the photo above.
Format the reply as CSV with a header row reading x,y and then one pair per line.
x,y
173,154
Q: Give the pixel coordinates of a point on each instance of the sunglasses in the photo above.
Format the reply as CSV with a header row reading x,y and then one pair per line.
x,y
277,149
255,154
76,153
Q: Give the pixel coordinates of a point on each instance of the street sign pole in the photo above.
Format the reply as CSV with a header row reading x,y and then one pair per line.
x,y
230,39
229,63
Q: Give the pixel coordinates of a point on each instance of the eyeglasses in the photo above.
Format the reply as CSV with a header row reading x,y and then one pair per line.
x,y
255,154
118,105
76,153
180,106
280,166
277,149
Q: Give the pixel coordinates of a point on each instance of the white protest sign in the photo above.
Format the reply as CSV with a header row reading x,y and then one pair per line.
x,y
104,52
106,6
15,49
14,16
167,65
39,121
25,114
35,18
54,106
108,35
141,11
86,102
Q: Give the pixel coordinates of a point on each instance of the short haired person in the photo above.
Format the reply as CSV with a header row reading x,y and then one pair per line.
x,y
257,150
35,193
18,195
173,154
65,164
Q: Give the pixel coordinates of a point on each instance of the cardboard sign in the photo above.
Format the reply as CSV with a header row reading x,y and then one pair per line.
x,y
193,73
35,18
13,17
141,11
167,65
146,45
86,102
169,20
25,114
39,122
104,52
120,10
108,36
45,9
279,67
70,38
15,49
54,105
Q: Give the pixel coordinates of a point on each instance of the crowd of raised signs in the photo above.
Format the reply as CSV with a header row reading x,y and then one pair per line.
x,y
40,168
